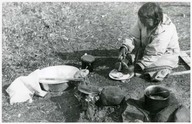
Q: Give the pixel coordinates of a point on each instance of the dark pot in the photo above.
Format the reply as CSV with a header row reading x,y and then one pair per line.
x,y
87,62
156,98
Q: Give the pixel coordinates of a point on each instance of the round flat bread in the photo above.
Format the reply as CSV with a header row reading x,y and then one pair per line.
x,y
116,75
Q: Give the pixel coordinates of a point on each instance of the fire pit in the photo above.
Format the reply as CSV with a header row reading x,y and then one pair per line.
x,y
98,105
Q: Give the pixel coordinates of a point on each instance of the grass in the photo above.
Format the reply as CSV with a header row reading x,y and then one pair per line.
x,y
37,35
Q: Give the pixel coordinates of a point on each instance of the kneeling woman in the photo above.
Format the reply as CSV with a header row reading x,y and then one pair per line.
x,y
152,45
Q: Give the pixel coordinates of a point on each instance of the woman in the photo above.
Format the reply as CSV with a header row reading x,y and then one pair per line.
x,y
152,45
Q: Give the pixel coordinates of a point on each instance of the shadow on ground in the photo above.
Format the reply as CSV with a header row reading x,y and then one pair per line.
x,y
68,105
4,89
4,92
104,63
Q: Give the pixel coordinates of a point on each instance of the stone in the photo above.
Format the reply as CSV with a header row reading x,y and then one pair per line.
x,y
112,95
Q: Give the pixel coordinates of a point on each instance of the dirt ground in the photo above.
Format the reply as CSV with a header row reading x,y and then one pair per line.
x,y
37,35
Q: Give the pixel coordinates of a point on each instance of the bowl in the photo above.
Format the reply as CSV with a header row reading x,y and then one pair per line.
x,y
156,98
57,78
55,87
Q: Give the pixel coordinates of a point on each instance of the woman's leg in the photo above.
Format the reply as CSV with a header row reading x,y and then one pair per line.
x,y
161,68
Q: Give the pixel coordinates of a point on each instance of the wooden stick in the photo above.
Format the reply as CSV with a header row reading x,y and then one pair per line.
x,y
61,79
181,73
172,74
114,57
187,51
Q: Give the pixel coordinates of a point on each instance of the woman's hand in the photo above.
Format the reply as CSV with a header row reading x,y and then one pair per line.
x,y
122,53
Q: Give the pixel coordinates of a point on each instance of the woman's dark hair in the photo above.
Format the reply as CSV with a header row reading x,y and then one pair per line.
x,y
151,10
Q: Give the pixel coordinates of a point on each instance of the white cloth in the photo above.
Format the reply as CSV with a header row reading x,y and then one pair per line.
x,y
23,88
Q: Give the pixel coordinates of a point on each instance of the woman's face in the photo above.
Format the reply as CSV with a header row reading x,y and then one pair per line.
x,y
148,22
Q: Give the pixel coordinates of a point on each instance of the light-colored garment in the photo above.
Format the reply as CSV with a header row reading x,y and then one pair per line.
x,y
155,48
159,75
23,88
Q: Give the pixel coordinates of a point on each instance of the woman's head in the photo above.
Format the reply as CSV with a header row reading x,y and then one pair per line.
x,y
150,14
